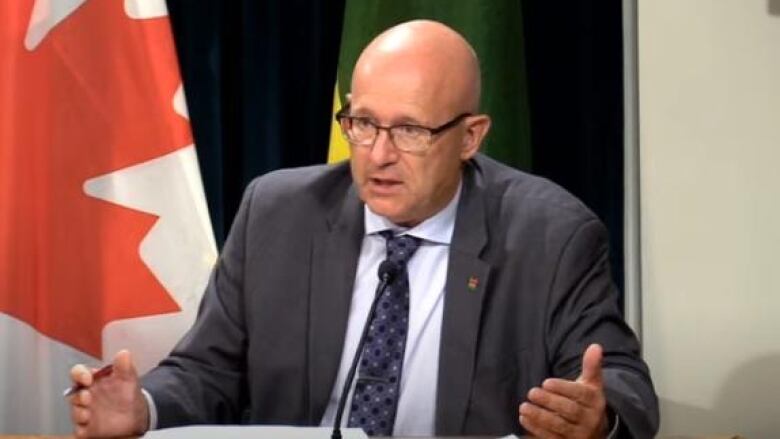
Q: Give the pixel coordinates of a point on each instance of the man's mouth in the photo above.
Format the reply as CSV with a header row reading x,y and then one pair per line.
x,y
384,186
384,182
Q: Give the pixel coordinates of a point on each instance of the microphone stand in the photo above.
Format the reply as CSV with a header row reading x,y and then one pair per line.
x,y
387,271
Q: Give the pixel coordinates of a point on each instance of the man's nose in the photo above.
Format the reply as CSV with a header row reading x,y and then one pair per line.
x,y
383,151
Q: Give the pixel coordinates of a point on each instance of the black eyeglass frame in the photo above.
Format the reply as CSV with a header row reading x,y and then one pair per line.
x,y
433,131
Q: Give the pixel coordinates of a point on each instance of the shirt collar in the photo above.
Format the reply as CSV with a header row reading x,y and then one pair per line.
x,y
437,228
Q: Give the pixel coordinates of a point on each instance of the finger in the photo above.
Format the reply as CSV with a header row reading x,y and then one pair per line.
x,y
565,407
82,398
123,365
582,393
80,415
537,431
80,431
81,375
545,420
591,365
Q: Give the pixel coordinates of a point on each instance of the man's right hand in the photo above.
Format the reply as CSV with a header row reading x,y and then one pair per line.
x,y
109,406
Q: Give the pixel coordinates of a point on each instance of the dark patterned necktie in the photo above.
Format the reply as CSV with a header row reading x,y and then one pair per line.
x,y
376,394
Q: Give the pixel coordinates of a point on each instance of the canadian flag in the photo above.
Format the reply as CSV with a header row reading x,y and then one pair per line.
x,y
105,239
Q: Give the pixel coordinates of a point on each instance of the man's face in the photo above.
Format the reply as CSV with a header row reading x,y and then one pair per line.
x,y
405,187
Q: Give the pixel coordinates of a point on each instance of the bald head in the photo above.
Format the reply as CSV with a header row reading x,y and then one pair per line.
x,y
429,55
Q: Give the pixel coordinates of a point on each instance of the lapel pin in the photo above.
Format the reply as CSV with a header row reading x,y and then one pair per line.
x,y
473,283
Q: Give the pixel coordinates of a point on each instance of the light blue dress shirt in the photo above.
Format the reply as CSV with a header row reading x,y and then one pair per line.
x,y
416,413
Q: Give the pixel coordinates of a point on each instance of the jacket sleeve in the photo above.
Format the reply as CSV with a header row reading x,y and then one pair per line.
x,y
584,309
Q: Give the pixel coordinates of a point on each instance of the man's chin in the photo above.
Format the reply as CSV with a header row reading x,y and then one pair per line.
x,y
382,209
388,210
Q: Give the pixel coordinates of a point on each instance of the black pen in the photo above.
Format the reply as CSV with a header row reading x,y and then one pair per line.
x,y
100,373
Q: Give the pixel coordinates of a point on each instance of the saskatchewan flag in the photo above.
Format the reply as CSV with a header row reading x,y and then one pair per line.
x,y
495,30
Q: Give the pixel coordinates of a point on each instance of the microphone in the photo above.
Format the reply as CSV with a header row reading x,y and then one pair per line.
x,y
387,272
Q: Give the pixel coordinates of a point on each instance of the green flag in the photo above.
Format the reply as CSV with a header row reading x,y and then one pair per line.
x,y
494,28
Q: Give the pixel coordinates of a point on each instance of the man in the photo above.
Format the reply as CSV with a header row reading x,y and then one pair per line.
x,y
501,307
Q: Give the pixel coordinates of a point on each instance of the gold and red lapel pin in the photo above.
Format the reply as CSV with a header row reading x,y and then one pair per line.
x,y
473,283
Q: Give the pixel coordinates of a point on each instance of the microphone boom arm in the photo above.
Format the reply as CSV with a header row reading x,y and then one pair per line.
x,y
387,271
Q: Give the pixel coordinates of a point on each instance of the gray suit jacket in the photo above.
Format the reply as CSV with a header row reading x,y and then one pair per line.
x,y
268,338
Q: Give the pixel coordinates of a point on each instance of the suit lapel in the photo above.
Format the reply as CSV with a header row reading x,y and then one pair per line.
x,y
467,276
335,252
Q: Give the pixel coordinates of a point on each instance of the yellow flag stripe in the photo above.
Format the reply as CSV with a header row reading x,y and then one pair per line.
x,y
339,149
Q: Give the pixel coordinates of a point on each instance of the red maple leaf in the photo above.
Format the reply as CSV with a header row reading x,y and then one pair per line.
x,y
92,98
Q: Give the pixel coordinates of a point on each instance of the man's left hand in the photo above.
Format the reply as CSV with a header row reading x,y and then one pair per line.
x,y
569,409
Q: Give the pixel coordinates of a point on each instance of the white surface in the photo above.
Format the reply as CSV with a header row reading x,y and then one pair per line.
x,y
709,78
252,432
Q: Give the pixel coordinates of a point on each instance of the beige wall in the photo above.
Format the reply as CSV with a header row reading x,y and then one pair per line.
x,y
709,117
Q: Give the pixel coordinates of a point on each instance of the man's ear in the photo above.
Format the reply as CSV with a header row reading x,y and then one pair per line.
x,y
477,127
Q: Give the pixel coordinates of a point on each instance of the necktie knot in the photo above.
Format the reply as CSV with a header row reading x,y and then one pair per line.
x,y
400,248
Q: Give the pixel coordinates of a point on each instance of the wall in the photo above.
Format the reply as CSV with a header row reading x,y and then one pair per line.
x,y
709,118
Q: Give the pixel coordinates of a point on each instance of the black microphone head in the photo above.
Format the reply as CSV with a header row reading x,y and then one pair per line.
x,y
387,270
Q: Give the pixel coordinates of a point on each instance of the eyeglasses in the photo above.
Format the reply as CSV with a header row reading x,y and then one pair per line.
x,y
406,137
